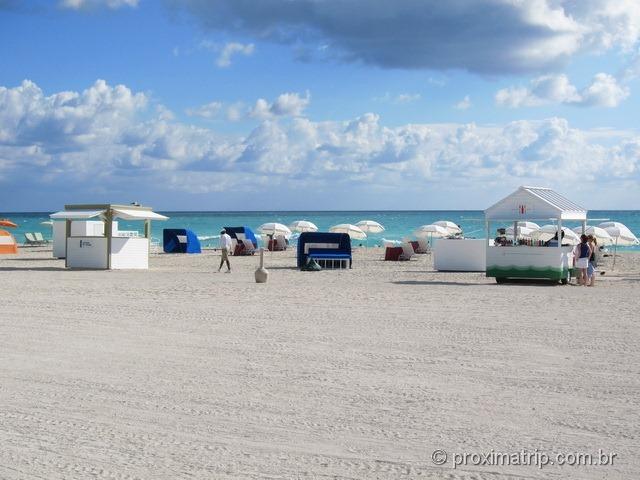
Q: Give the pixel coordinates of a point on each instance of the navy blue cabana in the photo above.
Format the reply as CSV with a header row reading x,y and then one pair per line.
x,y
242,232
180,240
324,247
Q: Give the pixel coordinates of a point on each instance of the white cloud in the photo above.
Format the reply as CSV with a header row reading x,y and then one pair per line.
x,y
400,98
604,91
107,137
286,105
463,104
112,4
231,49
486,36
209,110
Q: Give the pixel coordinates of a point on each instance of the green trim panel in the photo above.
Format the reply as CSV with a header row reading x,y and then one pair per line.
x,y
513,271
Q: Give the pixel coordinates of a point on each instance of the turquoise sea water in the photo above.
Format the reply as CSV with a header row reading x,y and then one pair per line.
x,y
398,224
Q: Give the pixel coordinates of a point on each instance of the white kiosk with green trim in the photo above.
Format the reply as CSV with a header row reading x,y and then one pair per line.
x,y
106,248
528,261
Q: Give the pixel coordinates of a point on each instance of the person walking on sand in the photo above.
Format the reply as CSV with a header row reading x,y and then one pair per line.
x,y
582,253
225,247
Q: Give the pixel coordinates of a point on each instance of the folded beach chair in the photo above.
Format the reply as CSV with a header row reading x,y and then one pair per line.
x,y
249,249
30,240
423,246
280,243
234,247
407,251
38,236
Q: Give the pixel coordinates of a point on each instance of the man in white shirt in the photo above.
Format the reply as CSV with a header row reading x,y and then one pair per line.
x,y
225,247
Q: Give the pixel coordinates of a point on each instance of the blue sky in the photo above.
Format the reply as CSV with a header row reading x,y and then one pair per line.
x,y
317,104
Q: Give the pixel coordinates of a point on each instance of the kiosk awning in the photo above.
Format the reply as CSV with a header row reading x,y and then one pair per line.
x,y
130,214
76,214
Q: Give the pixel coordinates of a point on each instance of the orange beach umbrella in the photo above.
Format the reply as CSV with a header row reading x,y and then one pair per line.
x,y
7,223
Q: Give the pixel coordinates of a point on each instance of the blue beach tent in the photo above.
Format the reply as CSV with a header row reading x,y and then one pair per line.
x,y
180,240
242,232
324,247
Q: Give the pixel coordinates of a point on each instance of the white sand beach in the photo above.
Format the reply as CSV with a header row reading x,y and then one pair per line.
x,y
179,372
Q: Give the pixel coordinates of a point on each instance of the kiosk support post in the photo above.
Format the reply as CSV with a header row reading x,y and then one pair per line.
x,y
67,234
560,233
486,227
108,232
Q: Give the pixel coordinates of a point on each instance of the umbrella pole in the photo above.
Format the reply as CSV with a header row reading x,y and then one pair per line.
x,y
615,250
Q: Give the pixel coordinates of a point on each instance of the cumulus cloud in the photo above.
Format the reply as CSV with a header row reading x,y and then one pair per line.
x,y
400,98
463,104
108,136
209,110
487,36
112,4
604,91
286,105
231,49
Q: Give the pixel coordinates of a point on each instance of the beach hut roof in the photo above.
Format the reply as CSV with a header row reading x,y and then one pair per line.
x,y
535,203
127,212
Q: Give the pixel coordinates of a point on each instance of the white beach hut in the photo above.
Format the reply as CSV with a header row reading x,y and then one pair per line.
x,y
99,245
531,261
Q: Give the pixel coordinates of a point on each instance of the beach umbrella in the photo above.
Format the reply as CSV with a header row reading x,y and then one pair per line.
x,y
522,232
547,232
602,236
369,226
451,227
303,226
274,229
431,231
530,225
7,223
354,232
621,234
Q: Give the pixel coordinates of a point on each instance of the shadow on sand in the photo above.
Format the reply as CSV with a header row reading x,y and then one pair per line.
x,y
32,269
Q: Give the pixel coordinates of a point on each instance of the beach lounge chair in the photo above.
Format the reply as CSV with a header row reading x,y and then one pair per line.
x,y
30,240
392,253
38,236
407,251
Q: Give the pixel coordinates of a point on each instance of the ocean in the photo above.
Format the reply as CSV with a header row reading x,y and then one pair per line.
x,y
398,224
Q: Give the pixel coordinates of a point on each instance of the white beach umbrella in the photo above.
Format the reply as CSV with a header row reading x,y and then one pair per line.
x,y
602,236
620,233
433,230
522,232
303,226
369,226
547,232
451,227
354,232
274,229
530,225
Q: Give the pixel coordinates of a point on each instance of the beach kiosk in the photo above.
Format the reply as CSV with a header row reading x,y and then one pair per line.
x,y
106,248
529,259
